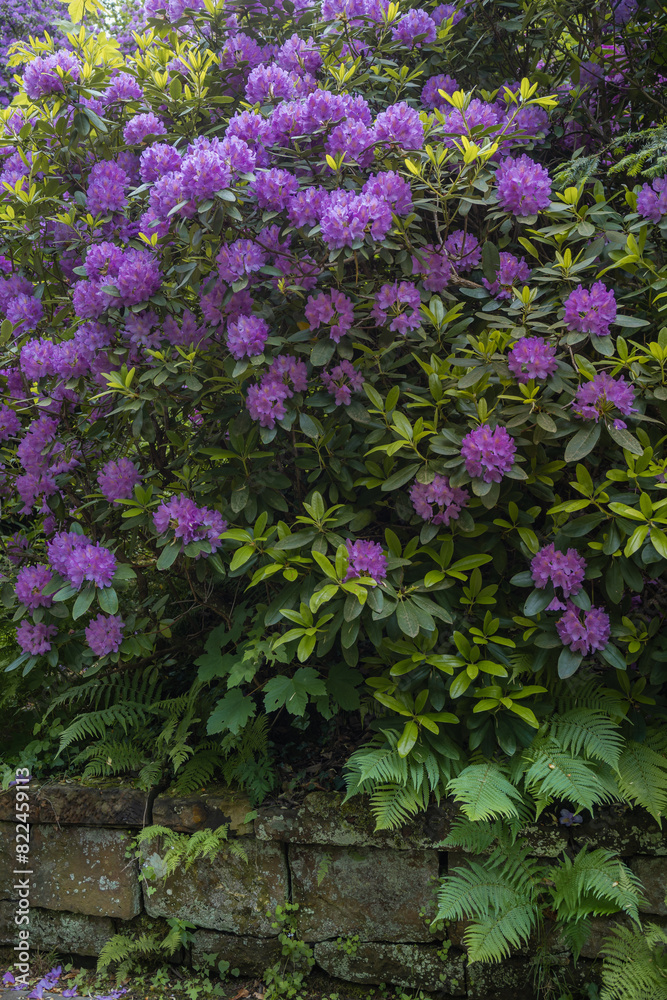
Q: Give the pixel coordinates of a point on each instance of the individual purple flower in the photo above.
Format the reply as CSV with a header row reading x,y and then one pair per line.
x,y
10,424
25,312
585,636
103,260
35,639
239,258
400,125
139,277
652,200
624,11
158,160
139,128
166,194
365,559
512,270
431,97
342,381
8,977
333,310
438,502
524,186
246,336
568,818
72,992
414,29
189,522
104,634
601,395
562,569
30,584
463,250
274,189
532,357
93,563
118,479
488,454
107,183
591,311
41,76
402,301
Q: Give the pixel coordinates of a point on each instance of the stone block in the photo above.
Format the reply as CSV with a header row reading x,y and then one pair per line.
x,y
415,966
366,891
653,875
64,933
82,805
323,819
601,928
187,813
224,893
78,869
513,978
250,955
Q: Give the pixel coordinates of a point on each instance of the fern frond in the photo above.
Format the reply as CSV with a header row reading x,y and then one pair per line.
x,y
597,883
394,805
492,939
553,773
635,964
642,778
484,792
588,732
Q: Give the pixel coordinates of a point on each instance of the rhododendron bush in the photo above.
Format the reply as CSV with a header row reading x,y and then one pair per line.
x,y
333,370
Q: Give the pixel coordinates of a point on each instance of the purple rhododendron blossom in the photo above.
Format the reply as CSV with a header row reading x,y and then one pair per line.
x,y
141,127
266,400
568,818
342,381
524,186
274,189
107,183
400,125
246,336
463,249
190,522
401,301
599,397
25,312
562,569
239,258
93,563
591,311
118,479
366,559
347,217
30,585
333,310
532,357
436,268
584,636
414,29
35,639
104,634
512,270
41,75
438,502
487,453
10,423
430,95
652,200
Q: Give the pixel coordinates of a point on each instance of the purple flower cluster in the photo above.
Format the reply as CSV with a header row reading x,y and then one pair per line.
x,y
585,636
447,500
366,559
118,479
436,268
41,76
562,569
239,258
77,559
532,357
652,200
524,186
342,381
599,397
190,522
331,309
400,126
104,634
463,250
274,189
347,217
488,454
35,639
430,95
401,300
107,183
139,128
266,401
591,311
246,336
414,29
512,270
10,424
30,585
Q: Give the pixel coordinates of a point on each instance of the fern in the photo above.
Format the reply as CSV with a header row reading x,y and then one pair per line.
x,y
484,792
588,732
181,850
642,777
635,964
555,773
596,883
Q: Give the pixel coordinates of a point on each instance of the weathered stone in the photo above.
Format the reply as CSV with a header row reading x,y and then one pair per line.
x,y
71,933
653,875
601,928
513,978
225,893
624,831
82,805
80,869
206,811
416,966
250,955
365,891
323,819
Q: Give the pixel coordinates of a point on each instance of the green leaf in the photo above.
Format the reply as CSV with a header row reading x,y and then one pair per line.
x,y
401,477
231,713
168,555
83,601
568,663
484,792
407,739
342,683
537,601
108,600
292,692
582,443
625,439
407,619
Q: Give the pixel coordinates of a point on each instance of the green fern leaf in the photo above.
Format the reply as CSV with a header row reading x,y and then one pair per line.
x,y
484,792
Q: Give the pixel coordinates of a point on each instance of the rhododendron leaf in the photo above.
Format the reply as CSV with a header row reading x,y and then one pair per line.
x,y
107,600
83,601
568,663
582,443
168,556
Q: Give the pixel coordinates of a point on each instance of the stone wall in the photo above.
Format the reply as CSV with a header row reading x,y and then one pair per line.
x,y
348,880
